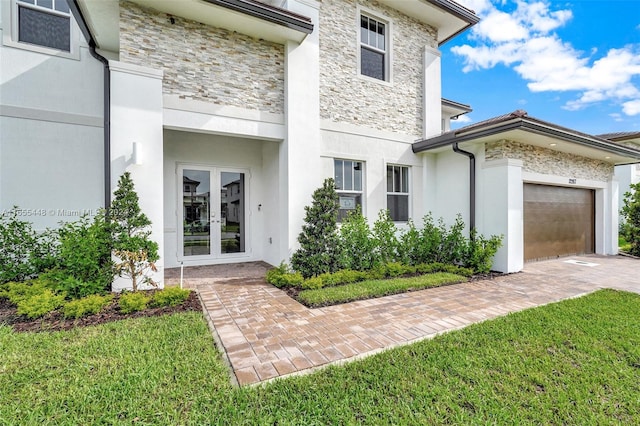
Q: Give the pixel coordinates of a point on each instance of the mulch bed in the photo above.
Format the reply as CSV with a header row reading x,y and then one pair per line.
x,y
56,321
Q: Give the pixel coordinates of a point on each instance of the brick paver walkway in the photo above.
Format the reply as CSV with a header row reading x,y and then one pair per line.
x,y
266,334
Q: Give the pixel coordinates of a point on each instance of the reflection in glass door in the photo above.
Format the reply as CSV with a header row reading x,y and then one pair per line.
x,y
231,212
213,212
196,204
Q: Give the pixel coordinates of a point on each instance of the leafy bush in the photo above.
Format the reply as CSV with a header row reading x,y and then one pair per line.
x,y
40,304
385,238
357,247
344,276
312,283
88,305
24,253
133,302
16,292
395,269
631,215
429,268
453,243
171,296
480,252
283,277
318,252
84,265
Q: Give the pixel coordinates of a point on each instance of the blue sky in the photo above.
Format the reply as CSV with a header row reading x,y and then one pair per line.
x,y
575,63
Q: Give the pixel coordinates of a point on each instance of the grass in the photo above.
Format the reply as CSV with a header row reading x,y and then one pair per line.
x,y
575,362
375,288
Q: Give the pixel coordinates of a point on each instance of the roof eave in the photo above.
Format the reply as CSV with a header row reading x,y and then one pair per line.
x,y
268,13
527,126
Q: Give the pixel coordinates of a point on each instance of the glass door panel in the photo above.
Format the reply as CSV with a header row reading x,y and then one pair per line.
x,y
196,212
232,212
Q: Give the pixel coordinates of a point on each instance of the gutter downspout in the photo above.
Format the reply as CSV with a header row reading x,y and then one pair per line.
x,y
82,23
106,124
472,187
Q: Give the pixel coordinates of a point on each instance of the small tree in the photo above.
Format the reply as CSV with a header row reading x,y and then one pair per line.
x,y
318,240
631,213
130,230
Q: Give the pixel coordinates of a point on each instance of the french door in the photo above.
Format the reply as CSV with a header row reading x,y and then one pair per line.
x,y
212,213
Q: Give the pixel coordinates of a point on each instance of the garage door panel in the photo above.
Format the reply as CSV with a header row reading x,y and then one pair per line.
x,y
557,221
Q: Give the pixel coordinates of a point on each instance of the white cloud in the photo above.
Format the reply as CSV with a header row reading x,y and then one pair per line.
x,y
616,117
631,107
525,40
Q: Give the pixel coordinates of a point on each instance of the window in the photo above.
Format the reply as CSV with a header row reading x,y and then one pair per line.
x,y
44,23
398,192
348,177
373,48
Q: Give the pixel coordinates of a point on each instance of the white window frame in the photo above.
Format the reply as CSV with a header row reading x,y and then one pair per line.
x,y
361,191
393,192
10,35
388,57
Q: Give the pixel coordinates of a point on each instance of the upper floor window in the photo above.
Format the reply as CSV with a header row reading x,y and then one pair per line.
x,y
374,48
348,177
398,192
44,23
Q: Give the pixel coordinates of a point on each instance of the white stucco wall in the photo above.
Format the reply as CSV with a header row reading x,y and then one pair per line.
x,y
51,147
376,149
136,117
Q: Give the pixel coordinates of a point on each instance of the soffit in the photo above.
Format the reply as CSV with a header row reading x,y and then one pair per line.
x,y
103,18
445,21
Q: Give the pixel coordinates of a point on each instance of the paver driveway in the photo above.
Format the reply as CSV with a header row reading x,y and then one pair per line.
x,y
266,334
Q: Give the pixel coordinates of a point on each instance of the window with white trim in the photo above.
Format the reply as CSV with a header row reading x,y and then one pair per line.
x,y
44,23
348,177
398,192
374,48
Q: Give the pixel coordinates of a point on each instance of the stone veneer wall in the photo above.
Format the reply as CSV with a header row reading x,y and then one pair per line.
x,y
345,97
549,162
203,62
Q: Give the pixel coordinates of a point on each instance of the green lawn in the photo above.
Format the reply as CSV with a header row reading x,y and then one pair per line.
x,y
575,362
375,288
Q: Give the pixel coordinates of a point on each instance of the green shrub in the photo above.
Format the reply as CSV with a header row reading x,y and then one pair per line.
x,y
453,244
430,268
319,252
171,296
357,246
385,238
88,305
71,285
480,252
344,276
395,269
312,283
24,253
409,246
133,302
85,265
40,304
631,214
347,276
16,292
283,277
